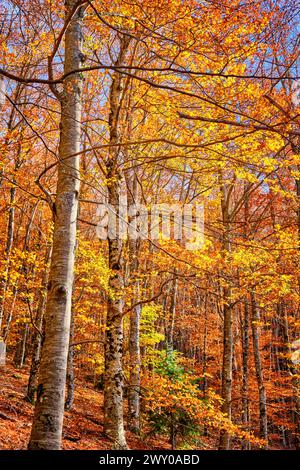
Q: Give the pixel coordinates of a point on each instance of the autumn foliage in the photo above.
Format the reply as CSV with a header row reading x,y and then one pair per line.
x,y
171,102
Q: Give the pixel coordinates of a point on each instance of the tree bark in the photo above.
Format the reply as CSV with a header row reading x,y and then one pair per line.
x,y
135,370
294,372
19,356
49,410
70,370
245,361
135,316
226,391
37,336
113,377
23,269
263,422
245,327
8,247
172,312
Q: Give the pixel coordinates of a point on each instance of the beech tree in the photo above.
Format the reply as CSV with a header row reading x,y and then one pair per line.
x,y
48,416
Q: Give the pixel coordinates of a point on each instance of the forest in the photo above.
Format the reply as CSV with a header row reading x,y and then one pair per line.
x,y
149,225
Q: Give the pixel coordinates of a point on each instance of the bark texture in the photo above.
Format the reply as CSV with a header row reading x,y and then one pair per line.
x,y
38,334
70,370
294,371
245,365
135,316
263,422
226,391
8,247
49,410
113,379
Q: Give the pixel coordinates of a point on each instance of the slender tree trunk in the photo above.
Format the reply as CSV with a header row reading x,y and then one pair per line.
x,y
294,372
6,328
23,269
204,371
263,422
11,226
19,357
135,316
135,370
172,312
113,378
9,243
49,410
173,440
245,361
295,383
226,369
226,391
70,370
297,183
245,326
37,336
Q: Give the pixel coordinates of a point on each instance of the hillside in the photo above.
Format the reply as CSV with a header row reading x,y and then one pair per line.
x,y
83,426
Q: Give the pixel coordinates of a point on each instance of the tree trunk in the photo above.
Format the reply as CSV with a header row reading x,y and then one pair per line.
x,y
135,316
204,352
70,370
263,423
135,371
245,327
9,243
113,378
294,372
172,312
37,336
226,369
19,356
245,361
49,410
226,391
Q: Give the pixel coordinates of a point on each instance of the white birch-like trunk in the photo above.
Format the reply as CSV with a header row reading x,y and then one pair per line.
x,y
49,410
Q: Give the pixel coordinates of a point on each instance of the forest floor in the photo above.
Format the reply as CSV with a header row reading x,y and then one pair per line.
x,y
83,425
